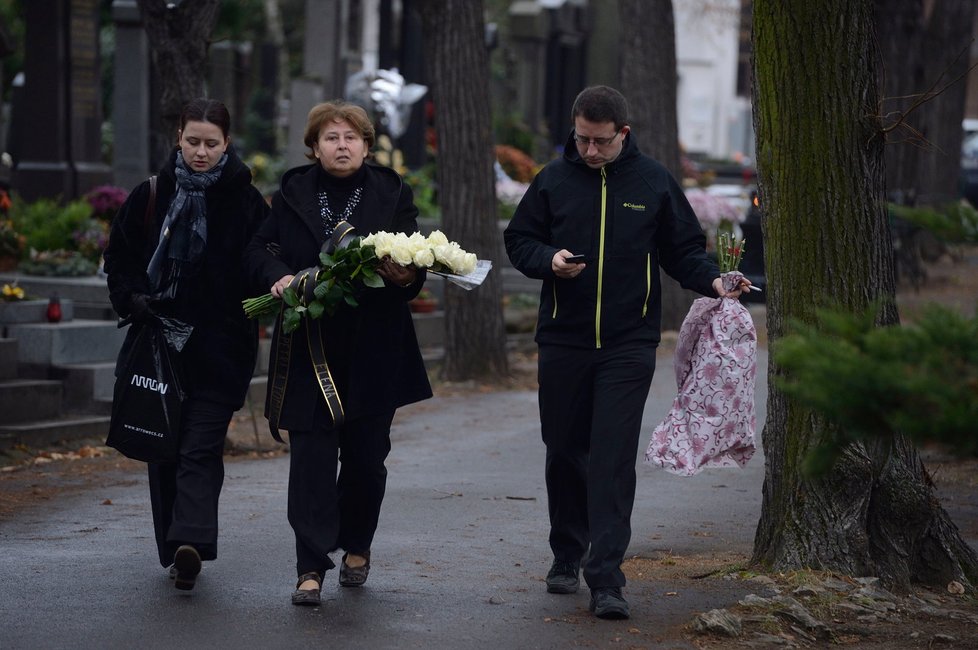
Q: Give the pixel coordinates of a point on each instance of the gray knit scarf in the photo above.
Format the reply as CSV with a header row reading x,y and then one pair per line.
x,y
184,232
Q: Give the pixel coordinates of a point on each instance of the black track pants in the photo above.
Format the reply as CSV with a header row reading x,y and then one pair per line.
x,y
591,406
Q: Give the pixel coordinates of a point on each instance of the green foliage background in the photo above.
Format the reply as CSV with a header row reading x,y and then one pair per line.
x,y
953,223
870,382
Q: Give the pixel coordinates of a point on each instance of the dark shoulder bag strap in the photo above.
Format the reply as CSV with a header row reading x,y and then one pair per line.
x,y
150,207
148,218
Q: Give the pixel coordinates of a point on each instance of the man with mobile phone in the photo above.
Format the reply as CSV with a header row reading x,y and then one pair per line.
x,y
598,328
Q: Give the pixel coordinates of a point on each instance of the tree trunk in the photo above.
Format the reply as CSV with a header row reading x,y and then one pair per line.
x,y
275,33
458,71
925,48
820,164
647,53
179,39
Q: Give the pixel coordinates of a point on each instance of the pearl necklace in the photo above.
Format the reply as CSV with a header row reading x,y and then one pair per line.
x,y
329,219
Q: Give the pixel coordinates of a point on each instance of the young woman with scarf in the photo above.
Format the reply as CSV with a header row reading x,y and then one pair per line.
x,y
175,249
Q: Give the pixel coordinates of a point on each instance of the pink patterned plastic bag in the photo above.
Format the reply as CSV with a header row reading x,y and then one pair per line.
x,y
712,420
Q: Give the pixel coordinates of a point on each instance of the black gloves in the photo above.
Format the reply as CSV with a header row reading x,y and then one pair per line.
x,y
139,307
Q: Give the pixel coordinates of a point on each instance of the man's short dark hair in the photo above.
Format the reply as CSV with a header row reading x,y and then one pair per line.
x,y
601,104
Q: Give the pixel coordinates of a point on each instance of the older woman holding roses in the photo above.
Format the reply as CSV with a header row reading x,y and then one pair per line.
x,y
335,382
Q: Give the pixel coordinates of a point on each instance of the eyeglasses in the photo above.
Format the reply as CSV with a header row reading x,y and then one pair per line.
x,y
597,142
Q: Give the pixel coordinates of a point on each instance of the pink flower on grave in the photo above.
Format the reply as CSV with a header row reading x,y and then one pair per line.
x,y
106,200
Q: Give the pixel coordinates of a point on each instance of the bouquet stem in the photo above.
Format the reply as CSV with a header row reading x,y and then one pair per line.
x,y
729,251
265,305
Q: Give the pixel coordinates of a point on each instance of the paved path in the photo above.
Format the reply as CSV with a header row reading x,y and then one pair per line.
x,y
458,561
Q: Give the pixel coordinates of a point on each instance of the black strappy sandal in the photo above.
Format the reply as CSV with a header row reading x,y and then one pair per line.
x,y
308,597
354,576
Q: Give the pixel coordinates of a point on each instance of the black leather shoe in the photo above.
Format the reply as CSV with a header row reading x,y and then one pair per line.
x,y
307,597
563,577
607,602
354,577
186,561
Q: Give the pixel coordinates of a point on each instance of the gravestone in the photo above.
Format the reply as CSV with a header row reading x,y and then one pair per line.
x,y
263,102
323,69
62,101
228,78
552,40
131,96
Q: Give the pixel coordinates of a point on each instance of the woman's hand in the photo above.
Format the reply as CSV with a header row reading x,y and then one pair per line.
x,y
402,276
279,287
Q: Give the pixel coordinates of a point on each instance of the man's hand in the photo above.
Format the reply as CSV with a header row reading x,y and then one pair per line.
x,y
742,286
566,270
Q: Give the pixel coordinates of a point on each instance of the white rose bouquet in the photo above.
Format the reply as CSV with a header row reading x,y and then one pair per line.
x,y
433,252
357,261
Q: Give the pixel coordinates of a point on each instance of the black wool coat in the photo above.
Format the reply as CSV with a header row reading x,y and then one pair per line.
x,y
219,359
371,349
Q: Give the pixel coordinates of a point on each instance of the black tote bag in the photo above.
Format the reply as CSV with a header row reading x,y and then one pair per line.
x,y
148,396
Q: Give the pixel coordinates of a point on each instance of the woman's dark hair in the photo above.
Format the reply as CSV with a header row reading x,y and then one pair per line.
x,y
206,110
601,104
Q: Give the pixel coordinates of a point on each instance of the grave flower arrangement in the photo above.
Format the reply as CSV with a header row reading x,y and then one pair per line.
x,y
106,201
712,211
12,293
11,242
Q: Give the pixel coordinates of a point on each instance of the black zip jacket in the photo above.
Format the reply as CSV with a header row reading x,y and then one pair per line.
x,y
627,218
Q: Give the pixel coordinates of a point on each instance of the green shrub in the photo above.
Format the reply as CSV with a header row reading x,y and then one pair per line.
x,y
510,129
953,223
504,211
266,171
422,182
47,225
874,382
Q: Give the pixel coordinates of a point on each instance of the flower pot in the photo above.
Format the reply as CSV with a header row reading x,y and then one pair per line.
x,y
423,305
8,263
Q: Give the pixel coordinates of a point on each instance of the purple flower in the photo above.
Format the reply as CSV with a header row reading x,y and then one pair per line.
x,y
106,200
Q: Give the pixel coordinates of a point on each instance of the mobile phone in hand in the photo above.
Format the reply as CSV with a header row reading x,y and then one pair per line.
x,y
574,259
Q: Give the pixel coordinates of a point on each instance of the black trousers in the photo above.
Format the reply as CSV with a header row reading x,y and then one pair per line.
x,y
327,511
184,494
591,407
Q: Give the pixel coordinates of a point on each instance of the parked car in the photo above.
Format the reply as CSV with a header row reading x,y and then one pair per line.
x,y
968,181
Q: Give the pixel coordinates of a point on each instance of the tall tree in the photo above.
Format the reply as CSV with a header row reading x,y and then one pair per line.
x,y
820,163
925,46
457,69
649,80
179,35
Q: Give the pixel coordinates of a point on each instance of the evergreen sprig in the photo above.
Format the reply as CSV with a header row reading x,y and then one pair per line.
x,y
874,382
